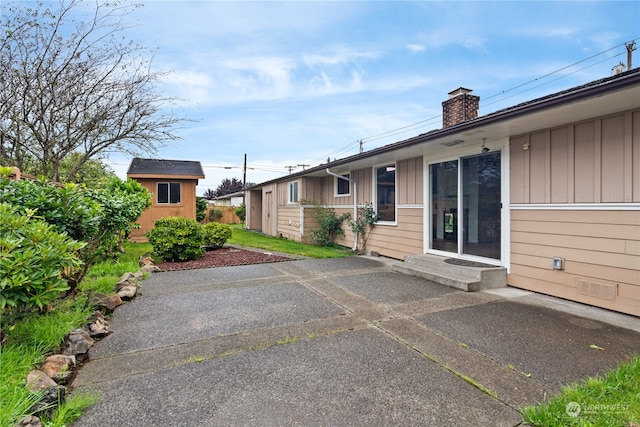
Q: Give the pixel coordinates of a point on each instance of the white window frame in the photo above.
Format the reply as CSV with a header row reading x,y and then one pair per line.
x,y
293,186
395,195
168,184
336,185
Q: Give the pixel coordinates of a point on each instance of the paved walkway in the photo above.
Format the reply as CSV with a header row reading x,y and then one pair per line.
x,y
339,342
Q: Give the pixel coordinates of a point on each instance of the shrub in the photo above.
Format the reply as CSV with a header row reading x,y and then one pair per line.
x,y
329,223
241,212
99,217
201,208
362,225
33,256
216,234
215,214
177,239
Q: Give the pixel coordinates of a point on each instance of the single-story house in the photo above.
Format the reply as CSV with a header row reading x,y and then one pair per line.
x,y
232,199
548,190
173,185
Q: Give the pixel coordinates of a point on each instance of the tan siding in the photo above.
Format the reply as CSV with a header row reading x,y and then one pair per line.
x,y
612,160
401,240
635,144
596,161
519,165
559,165
289,225
311,189
584,158
410,182
601,248
537,157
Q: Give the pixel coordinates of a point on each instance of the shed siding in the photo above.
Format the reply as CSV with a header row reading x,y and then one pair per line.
x,y
186,207
601,251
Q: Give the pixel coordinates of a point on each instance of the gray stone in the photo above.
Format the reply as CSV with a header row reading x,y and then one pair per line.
x,y
126,278
78,344
52,393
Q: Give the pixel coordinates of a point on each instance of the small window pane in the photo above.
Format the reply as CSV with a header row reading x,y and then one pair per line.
x,y
293,192
342,185
163,192
174,192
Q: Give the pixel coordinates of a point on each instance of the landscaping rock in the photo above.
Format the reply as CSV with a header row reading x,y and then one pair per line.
x,y
30,421
52,392
78,344
150,268
126,279
58,367
106,303
145,260
98,326
127,292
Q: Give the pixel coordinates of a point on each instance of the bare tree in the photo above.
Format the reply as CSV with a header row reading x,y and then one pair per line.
x,y
75,86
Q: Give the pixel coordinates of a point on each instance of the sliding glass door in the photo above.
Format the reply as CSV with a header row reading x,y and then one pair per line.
x,y
466,206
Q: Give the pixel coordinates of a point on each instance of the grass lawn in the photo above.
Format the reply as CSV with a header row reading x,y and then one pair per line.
x,y
253,239
610,400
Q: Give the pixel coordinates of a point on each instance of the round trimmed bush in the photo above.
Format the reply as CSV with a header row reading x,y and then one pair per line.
x,y
177,238
216,234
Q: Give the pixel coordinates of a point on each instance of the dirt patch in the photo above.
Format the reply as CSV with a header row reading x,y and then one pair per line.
x,y
225,257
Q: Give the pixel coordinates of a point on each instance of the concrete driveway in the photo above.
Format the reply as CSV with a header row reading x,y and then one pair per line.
x,y
339,342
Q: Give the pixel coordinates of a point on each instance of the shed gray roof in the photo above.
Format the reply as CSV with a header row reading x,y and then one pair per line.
x,y
165,167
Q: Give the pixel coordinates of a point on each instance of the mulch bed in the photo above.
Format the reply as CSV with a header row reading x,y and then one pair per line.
x,y
224,257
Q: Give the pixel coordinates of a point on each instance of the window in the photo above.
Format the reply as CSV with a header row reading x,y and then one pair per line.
x,y
386,193
342,186
293,192
168,192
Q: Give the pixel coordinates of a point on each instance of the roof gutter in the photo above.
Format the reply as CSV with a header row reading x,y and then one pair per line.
x,y
355,203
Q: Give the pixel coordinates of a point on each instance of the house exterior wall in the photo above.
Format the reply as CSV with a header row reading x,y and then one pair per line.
x,y
601,251
254,209
574,195
186,207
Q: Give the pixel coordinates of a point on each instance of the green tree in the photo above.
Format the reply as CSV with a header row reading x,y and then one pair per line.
x,y
201,208
74,87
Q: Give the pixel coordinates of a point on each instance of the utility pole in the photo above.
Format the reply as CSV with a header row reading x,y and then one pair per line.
x,y
361,146
244,173
290,168
304,166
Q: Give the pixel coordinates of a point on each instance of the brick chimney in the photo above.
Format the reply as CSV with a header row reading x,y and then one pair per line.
x,y
460,107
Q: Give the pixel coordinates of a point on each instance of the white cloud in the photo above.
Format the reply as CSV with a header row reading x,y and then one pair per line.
x,y
415,48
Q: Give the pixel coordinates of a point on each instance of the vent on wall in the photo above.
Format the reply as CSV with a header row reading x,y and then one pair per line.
x,y
602,290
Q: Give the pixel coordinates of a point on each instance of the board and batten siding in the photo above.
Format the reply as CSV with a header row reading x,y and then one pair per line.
x,y
575,195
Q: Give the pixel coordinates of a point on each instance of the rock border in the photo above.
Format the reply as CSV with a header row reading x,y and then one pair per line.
x,y
56,371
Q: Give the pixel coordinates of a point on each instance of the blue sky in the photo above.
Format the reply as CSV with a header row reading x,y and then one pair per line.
x,y
292,83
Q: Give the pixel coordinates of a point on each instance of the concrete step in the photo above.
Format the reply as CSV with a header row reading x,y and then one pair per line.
x,y
466,276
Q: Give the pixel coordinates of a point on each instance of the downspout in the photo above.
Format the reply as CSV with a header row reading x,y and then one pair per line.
x,y
355,203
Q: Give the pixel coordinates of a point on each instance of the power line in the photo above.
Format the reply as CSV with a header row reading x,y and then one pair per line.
x,y
426,122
